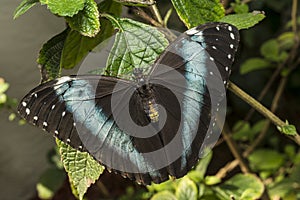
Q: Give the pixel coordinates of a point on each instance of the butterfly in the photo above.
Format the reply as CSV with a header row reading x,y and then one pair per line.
x,y
154,126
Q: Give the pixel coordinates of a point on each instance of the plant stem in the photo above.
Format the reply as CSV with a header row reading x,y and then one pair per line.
x,y
146,17
156,13
260,108
255,104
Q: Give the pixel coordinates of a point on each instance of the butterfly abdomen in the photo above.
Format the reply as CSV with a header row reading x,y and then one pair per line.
x,y
151,109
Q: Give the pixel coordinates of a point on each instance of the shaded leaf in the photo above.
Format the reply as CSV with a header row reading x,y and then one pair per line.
x,y
186,189
240,187
253,64
86,21
77,46
49,183
270,50
195,12
50,55
286,40
82,169
24,6
64,7
240,7
136,45
240,130
243,21
266,160
288,186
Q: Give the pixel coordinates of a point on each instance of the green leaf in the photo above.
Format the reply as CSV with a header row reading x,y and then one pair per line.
x,y
50,181
270,50
12,116
241,186
50,55
77,46
288,129
195,12
265,160
3,86
23,7
287,186
3,98
86,21
203,164
241,130
212,180
243,21
142,3
136,45
286,40
253,64
64,7
186,189
167,185
240,8
82,169
164,195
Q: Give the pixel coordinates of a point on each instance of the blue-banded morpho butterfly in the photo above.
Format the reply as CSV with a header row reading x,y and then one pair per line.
x,y
171,116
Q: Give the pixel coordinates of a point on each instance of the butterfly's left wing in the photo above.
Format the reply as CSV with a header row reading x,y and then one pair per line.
x,y
96,114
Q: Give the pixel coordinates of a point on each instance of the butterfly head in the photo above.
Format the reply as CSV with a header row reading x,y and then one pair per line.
x,y
139,77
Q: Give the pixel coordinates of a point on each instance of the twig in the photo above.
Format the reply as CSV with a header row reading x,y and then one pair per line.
x,y
146,17
234,150
156,13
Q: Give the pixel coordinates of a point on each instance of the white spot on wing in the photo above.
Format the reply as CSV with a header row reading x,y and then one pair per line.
x,y
200,33
211,58
56,132
232,36
53,106
218,28
191,31
24,104
35,118
68,140
226,68
63,113
229,56
214,47
35,95
45,124
27,111
211,73
229,28
231,46
61,80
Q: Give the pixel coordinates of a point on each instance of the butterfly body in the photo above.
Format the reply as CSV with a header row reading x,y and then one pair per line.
x,y
153,127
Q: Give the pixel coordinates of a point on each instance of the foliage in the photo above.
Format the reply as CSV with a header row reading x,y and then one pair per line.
x,y
275,167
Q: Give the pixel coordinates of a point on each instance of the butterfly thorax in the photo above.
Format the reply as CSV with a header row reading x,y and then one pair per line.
x,y
146,93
